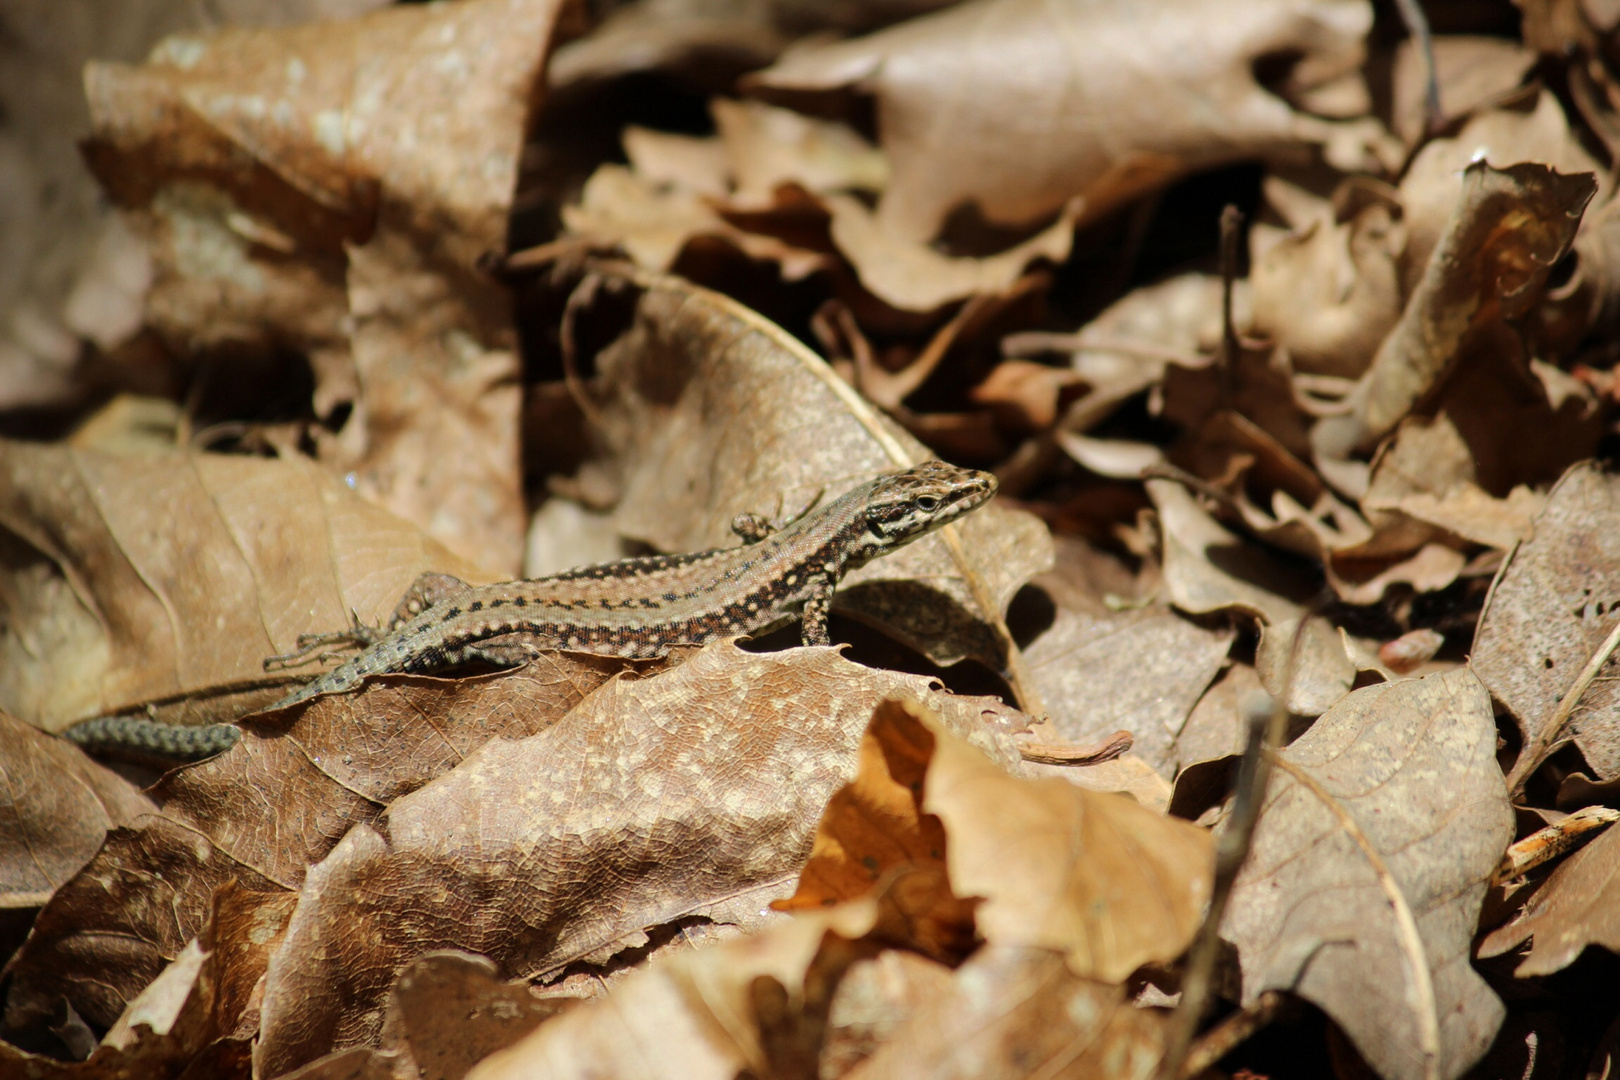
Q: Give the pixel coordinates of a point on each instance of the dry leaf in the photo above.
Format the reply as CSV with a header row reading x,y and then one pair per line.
x,y
148,578
1142,671
1028,132
1330,292
1551,606
334,187
696,378
1095,878
1013,1012
1530,128
58,807
1508,229
693,794
703,1015
1380,829
1471,72
1207,568
1576,907
340,762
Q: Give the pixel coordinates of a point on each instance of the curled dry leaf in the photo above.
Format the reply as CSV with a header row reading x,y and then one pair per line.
x,y
1028,132
1576,907
690,795
333,187
57,807
1508,229
1207,568
1095,878
1531,126
339,762
155,578
1331,291
711,410
1380,830
1551,607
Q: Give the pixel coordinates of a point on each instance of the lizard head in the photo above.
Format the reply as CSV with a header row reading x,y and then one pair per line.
x,y
906,504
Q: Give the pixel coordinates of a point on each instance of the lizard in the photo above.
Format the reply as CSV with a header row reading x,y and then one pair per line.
x,y
635,608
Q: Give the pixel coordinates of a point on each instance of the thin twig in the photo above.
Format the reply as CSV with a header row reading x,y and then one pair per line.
x,y
1074,754
1540,748
1266,729
1231,230
1231,1032
1417,24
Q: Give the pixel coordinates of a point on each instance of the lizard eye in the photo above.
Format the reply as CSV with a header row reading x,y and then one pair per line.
x,y
927,503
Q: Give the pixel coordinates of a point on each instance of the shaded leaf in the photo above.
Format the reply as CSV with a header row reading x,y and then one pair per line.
x,y
1027,134
335,186
340,762
1577,906
1380,829
1550,608
56,809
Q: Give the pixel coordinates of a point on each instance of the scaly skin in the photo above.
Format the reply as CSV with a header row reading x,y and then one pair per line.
x,y
644,607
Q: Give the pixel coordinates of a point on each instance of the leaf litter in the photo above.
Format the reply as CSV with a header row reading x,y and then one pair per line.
x,y
462,288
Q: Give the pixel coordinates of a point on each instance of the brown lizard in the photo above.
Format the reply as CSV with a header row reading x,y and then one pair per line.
x,y
639,607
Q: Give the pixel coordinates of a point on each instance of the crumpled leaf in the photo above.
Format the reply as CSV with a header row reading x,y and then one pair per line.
x,y
340,762
693,794
57,807
138,579
1509,227
1471,71
696,378
334,186
1574,908
1106,883
1027,132
1551,606
1381,827
1128,346
1208,568
1330,292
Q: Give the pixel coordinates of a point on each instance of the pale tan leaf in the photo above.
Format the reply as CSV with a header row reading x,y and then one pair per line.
x,y
1046,102
1380,830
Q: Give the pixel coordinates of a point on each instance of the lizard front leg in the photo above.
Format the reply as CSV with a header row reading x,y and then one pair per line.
x,y
813,620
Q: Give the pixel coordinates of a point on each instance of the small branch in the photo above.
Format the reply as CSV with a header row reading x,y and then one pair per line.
x,y
1266,728
1075,754
1417,24
1231,231
1538,749
1227,1035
